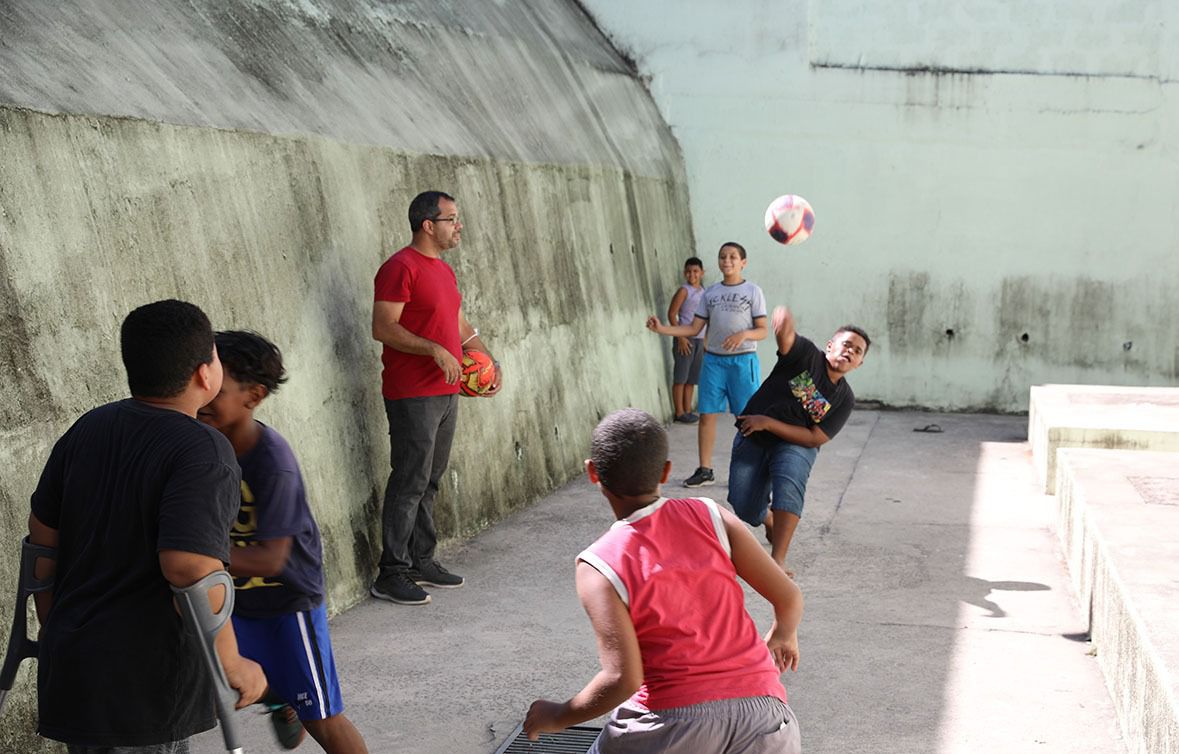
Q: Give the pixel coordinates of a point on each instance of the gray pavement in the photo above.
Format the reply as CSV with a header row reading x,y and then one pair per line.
x,y
939,614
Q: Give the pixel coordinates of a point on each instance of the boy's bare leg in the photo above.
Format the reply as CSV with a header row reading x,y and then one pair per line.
x,y
677,397
688,391
706,438
780,526
337,735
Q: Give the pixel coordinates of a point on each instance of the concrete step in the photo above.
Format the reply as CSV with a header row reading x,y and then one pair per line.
x,y
1099,416
1119,527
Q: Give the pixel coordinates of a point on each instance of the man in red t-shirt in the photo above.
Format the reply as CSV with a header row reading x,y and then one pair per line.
x,y
418,317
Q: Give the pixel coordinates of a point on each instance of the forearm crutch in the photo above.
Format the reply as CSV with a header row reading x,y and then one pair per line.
x,y
20,645
205,623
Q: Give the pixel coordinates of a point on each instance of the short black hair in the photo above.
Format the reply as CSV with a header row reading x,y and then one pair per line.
x,y
251,359
162,344
629,449
425,207
858,331
740,249
694,261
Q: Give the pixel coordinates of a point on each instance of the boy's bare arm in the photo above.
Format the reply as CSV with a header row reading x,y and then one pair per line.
x,y
40,534
673,310
807,437
757,569
265,557
184,569
618,650
686,331
783,326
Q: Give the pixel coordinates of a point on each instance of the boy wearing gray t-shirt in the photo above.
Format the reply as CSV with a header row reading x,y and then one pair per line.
x,y
735,312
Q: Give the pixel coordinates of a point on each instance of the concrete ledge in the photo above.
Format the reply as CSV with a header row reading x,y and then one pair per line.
x,y
1099,416
1119,526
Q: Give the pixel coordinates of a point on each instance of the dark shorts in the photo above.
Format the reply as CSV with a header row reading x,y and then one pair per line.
x,y
176,747
687,366
768,477
295,652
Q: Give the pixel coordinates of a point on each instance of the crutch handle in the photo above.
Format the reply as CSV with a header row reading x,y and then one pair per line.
x,y
20,646
205,623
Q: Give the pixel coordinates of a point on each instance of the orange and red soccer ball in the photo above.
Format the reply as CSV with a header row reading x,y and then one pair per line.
x,y
790,219
477,373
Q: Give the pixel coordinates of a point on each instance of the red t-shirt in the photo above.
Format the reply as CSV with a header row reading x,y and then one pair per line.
x,y
670,565
430,292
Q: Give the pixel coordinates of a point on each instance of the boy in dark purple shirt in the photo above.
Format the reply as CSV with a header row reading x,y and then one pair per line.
x,y
802,404
277,558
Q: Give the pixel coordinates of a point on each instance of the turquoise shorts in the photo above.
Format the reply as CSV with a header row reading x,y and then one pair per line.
x,y
727,382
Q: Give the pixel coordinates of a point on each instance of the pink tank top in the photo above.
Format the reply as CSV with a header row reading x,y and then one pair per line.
x,y
670,564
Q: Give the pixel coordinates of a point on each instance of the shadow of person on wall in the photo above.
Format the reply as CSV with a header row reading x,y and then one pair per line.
x,y
979,591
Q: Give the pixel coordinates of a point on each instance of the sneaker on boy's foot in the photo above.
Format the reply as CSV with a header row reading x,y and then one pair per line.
x,y
691,417
288,729
399,588
701,478
433,574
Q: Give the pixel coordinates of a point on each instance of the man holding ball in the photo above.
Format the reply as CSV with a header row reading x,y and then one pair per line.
x,y
417,316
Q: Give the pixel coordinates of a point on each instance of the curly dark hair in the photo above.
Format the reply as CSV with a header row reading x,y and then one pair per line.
x,y
251,359
629,449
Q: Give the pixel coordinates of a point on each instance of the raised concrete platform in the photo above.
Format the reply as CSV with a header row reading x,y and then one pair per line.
x,y
1119,526
1099,416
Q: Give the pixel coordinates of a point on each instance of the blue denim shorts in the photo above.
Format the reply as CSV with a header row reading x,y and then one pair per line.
x,y
727,380
768,477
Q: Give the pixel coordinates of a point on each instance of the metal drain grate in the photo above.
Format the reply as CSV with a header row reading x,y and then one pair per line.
x,y
575,740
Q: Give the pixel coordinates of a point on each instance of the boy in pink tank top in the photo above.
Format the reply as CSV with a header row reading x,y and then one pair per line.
x,y
683,666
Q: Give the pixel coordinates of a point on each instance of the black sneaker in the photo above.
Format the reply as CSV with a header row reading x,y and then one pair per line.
x,y
433,574
399,588
701,478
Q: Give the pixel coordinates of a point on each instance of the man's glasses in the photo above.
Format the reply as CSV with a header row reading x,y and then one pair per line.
x,y
453,219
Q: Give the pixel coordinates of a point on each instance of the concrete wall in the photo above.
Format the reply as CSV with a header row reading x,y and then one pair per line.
x,y
994,183
257,158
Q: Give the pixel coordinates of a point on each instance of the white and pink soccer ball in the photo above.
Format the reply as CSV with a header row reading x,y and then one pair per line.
x,y
790,219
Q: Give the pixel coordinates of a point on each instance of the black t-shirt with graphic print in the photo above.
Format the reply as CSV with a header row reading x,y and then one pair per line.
x,y
799,392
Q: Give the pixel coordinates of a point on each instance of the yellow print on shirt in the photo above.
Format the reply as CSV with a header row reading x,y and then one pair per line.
x,y
242,535
803,387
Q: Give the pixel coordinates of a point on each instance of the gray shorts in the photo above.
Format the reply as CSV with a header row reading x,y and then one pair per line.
x,y
751,725
176,747
687,367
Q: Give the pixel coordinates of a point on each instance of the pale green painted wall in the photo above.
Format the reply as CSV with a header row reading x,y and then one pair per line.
x,y
994,169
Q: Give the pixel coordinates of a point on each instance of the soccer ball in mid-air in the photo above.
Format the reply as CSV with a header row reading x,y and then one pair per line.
x,y
790,219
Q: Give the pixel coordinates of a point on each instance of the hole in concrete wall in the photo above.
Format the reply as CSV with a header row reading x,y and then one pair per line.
x,y
519,452
632,248
556,432
611,248
1127,345
1024,337
949,332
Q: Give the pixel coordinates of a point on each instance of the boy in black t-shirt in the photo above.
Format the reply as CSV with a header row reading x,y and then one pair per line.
x,y
277,559
802,404
137,495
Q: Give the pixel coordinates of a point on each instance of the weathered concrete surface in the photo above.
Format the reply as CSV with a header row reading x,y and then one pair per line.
x,y
937,621
258,158
1099,416
994,183
1119,525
